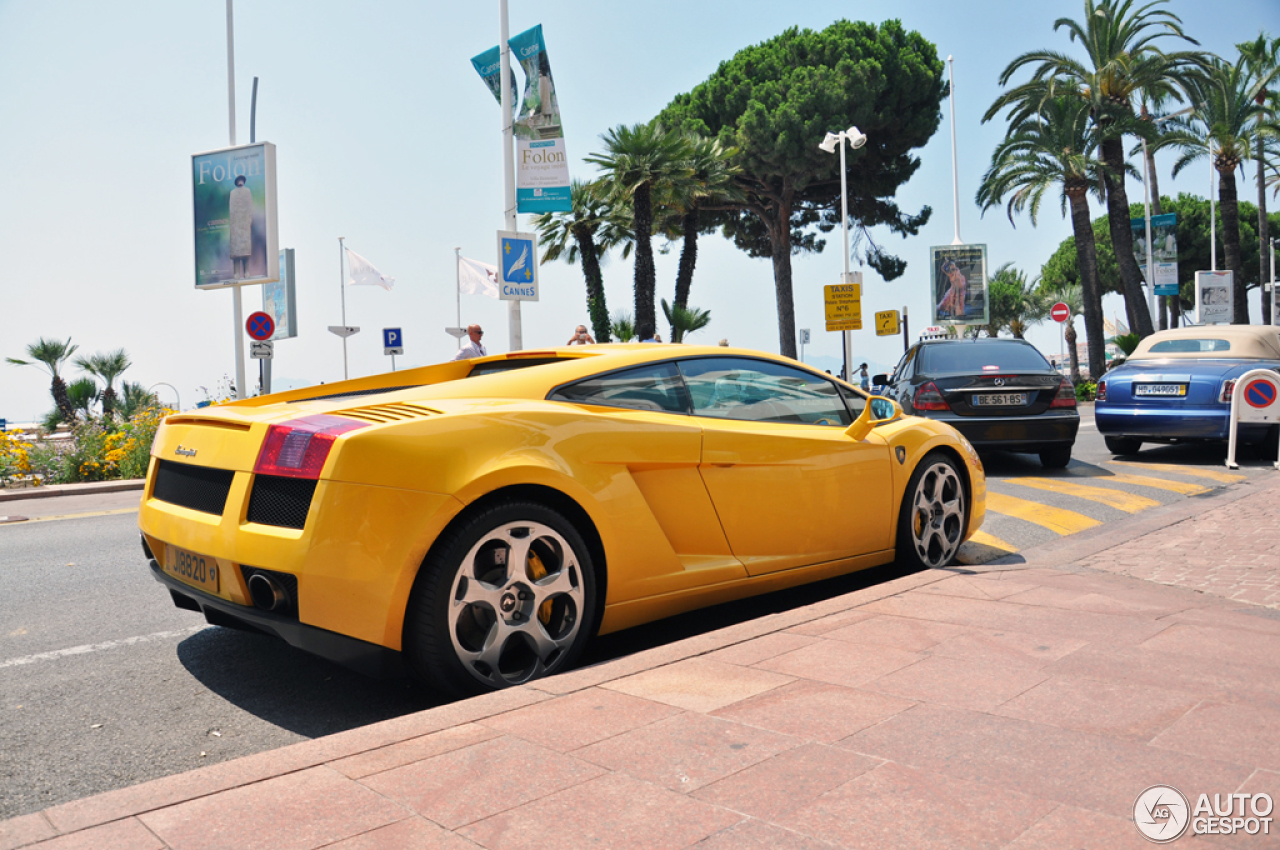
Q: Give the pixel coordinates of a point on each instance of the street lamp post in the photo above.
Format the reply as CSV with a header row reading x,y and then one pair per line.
x,y
856,139
170,386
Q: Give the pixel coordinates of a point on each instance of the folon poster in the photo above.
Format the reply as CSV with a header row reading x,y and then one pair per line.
x,y
234,200
958,275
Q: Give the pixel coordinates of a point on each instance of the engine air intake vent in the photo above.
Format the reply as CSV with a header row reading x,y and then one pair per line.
x,y
281,501
395,412
196,487
353,393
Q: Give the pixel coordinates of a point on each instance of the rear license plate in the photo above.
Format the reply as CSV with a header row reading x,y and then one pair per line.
x,y
197,570
1160,389
1000,400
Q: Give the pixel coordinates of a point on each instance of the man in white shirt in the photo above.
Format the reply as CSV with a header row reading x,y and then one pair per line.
x,y
472,348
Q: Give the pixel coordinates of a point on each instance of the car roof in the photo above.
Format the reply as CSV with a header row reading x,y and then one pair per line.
x,y
982,341
1248,342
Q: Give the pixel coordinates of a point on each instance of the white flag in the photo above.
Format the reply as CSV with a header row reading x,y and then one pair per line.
x,y
477,278
360,272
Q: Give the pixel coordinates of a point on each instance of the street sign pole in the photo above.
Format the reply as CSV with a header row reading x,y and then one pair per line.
x,y
515,334
906,337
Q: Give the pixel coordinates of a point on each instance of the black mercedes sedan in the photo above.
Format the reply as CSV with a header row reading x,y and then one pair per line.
x,y
998,393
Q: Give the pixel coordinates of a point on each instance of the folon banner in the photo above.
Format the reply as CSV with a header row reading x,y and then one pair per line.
x,y
1164,250
233,194
489,66
280,300
542,165
958,275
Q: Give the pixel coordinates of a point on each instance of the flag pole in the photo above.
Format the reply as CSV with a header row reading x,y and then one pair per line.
x,y
457,281
342,287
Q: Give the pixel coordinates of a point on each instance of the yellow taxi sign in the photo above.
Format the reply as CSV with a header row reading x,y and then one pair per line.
x,y
887,323
843,303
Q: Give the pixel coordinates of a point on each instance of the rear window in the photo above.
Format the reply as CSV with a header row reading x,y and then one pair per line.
x,y
979,357
1189,346
656,387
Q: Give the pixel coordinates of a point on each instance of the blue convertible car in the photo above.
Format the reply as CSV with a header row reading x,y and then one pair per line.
x,y
1177,385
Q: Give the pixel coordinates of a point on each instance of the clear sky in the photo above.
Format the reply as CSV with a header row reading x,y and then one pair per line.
x,y
387,136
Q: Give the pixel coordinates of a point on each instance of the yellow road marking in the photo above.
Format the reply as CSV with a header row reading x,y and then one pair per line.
x,y
74,516
1057,520
1198,471
1186,488
984,539
1118,499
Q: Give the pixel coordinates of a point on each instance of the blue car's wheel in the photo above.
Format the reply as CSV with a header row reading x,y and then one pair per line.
x,y
1123,445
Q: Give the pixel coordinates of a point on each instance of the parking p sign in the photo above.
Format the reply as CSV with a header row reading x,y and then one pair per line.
x,y
392,341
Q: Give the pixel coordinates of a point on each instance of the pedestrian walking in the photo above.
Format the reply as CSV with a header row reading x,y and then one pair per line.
x,y
474,347
581,337
864,380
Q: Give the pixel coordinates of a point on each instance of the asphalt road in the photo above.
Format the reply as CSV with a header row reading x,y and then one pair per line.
x,y
104,684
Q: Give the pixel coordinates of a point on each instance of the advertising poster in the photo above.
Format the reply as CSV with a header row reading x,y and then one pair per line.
x,y
958,274
1214,294
234,200
279,299
1164,250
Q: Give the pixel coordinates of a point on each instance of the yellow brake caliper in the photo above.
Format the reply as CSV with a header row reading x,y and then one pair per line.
x,y
538,571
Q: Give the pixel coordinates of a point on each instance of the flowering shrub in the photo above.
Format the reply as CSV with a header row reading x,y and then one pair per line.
x,y
132,452
15,454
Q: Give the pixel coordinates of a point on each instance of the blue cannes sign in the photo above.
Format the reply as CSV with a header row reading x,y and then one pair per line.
x,y
518,264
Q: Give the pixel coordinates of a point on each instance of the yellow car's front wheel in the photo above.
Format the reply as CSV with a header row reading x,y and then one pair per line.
x,y
934,514
506,597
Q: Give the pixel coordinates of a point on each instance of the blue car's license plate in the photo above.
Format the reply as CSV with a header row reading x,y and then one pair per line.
x,y
1160,390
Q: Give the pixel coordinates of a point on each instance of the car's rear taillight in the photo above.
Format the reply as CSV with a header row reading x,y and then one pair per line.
x,y
1066,396
1228,387
1100,394
298,448
928,397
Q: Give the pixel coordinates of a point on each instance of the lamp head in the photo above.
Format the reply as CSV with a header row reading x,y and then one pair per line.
x,y
829,143
856,137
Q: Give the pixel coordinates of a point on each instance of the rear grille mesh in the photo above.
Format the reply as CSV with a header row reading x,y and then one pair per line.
x,y
281,501
395,412
196,487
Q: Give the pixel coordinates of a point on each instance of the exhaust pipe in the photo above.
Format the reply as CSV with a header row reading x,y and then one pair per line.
x,y
267,593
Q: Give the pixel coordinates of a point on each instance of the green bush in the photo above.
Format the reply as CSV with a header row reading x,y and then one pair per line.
x,y
1086,390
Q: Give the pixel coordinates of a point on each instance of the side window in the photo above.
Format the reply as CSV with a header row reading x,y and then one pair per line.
x,y
653,387
903,369
853,400
762,391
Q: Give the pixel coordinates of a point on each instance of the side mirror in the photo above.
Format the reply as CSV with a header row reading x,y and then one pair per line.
x,y
877,411
879,380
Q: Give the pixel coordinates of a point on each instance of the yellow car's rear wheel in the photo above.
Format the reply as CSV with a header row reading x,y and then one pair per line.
x,y
507,597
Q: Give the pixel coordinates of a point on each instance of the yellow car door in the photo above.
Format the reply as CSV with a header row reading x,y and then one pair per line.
x,y
789,486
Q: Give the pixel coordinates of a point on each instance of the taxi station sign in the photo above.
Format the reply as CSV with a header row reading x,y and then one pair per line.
x,y
1254,398
843,303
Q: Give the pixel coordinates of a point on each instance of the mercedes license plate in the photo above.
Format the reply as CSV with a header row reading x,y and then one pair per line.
x,y
1160,389
197,570
1000,400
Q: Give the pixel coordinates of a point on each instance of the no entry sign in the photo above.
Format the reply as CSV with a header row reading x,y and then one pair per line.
x,y
1256,398
1060,312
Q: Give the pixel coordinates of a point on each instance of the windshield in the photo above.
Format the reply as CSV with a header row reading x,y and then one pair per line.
x,y
1184,346
980,357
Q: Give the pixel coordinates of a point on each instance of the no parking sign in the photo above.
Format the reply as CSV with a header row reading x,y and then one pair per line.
x,y
1256,398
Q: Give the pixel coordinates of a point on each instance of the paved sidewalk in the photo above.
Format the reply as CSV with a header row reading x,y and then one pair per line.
x,y
85,489
1018,705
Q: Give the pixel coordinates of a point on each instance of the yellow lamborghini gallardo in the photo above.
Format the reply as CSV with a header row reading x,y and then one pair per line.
x,y
476,522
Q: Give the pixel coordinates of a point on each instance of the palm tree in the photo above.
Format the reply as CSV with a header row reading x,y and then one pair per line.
x,y
711,182
52,354
1263,57
685,320
623,326
637,160
1225,118
106,367
1055,149
82,394
1123,60
588,230
1072,295
136,398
